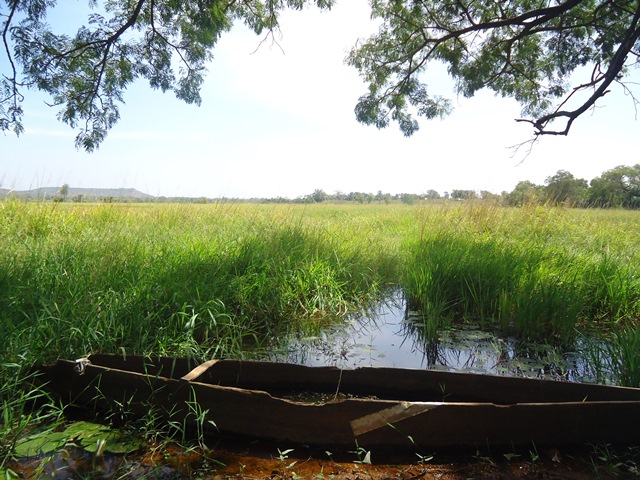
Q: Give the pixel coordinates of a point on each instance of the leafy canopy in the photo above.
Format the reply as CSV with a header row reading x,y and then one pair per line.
x,y
618,187
168,42
525,49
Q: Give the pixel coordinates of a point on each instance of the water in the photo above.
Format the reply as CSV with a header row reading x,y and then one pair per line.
x,y
392,336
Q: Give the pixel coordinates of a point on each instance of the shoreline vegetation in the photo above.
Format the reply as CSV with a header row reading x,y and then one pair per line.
x,y
219,280
615,188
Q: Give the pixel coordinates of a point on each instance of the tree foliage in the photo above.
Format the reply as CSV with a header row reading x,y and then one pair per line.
x,y
563,187
618,187
524,193
525,49
463,194
64,191
168,42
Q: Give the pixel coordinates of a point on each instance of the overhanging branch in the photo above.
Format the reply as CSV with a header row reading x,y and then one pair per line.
x,y
14,114
632,34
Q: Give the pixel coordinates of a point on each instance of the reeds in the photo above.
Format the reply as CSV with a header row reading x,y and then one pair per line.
x,y
191,280
214,280
614,356
538,272
182,280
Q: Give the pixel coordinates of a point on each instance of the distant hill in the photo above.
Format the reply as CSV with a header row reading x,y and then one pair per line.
x,y
88,193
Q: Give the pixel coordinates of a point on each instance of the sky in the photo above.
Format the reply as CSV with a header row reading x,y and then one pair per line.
x,y
277,120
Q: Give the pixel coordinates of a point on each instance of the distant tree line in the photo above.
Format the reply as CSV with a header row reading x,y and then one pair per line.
x,y
615,188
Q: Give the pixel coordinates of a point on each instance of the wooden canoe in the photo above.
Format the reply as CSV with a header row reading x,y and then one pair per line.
x,y
377,407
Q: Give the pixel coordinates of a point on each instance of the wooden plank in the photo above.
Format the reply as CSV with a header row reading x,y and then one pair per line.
x,y
390,415
199,370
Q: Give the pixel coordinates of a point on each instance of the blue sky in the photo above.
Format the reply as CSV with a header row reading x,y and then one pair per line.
x,y
279,121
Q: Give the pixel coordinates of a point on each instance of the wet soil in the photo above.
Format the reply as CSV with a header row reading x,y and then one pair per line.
x,y
164,462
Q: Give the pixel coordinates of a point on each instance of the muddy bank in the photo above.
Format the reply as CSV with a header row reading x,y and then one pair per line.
x,y
165,462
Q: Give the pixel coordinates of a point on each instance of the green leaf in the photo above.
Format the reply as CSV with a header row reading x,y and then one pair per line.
x,y
89,436
93,436
84,429
111,441
8,474
40,443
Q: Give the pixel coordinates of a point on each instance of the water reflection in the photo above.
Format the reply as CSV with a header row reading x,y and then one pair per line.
x,y
392,336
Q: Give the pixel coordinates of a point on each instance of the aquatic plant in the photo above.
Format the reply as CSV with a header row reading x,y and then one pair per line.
x,y
536,271
614,355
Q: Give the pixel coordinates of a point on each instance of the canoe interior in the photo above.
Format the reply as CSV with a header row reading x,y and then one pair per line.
x,y
379,382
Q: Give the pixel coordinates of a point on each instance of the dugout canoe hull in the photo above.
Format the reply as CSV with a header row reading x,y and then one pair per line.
x,y
377,407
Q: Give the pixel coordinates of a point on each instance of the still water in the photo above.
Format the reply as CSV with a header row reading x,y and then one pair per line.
x,y
392,336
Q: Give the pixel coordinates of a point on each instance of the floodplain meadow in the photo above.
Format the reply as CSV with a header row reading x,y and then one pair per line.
x,y
541,272
184,280
545,274
223,279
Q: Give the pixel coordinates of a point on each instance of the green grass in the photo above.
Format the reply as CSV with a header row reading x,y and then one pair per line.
x,y
538,272
614,356
204,280
217,280
174,280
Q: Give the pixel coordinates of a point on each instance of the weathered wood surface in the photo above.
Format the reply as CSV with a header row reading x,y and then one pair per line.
x,y
434,409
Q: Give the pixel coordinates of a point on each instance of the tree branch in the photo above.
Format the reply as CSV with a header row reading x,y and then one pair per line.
x,y
430,44
15,97
631,36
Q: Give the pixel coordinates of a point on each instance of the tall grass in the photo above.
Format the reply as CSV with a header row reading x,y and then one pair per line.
x,y
175,279
213,280
614,356
539,272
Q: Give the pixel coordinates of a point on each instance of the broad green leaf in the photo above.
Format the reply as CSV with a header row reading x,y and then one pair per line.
x,y
37,444
85,429
92,436
89,436
111,441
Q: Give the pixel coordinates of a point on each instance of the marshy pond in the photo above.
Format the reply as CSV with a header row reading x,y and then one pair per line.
x,y
391,335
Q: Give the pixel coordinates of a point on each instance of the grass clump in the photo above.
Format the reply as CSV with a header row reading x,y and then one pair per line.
x,y
534,271
173,279
215,280
205,281
614,355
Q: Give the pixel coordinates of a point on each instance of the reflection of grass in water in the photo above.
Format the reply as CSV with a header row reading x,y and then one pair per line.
x,y
614,357
426,324
466,348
